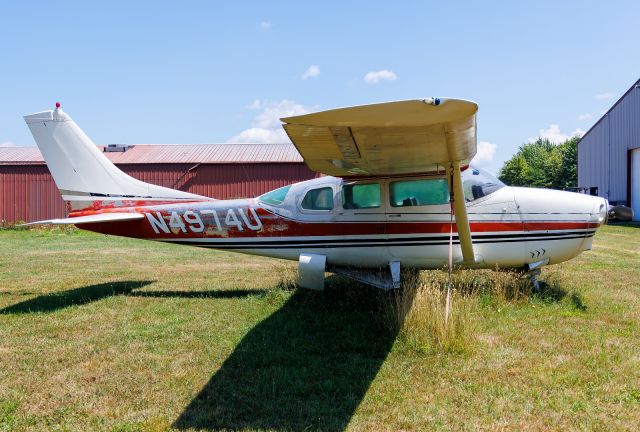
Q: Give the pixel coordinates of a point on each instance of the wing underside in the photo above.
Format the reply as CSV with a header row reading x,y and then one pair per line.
x,y
393,138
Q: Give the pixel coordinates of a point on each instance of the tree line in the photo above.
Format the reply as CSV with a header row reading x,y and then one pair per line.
x,y
543,164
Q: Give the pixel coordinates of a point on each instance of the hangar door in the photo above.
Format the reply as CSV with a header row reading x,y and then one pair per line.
x,y
635,183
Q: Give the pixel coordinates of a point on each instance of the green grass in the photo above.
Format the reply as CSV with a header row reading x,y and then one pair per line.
x,y
103,333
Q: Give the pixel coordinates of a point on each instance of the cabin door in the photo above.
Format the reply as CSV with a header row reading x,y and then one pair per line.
x,y
418,215
361,221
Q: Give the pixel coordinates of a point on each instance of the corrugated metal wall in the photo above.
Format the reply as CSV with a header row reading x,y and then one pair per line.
x,y
223,181
28,193
593,159
603,151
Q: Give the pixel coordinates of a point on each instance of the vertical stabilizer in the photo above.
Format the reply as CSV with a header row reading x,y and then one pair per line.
x,y
82,172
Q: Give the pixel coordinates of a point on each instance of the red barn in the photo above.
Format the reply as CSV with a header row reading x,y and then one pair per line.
x,y
28,192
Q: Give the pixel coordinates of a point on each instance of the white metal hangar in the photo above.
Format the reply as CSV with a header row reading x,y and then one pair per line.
x,y
609,153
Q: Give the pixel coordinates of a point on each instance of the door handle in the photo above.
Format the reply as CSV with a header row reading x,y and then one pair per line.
x,y
395,215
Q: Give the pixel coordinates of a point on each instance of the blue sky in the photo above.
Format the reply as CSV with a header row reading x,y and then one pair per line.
x,y
206,72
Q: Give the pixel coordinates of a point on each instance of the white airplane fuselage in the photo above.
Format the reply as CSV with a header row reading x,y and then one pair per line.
x,y
511,227
354,222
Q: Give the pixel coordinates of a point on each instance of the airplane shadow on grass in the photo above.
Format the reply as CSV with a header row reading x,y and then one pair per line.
x,y
197,294
305,367
90,293
77,296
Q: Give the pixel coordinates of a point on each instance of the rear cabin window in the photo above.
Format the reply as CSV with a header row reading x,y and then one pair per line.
x,y
418,192
361,196
275,197
318,199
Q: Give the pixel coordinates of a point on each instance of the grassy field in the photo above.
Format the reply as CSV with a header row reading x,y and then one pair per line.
x,y
101,333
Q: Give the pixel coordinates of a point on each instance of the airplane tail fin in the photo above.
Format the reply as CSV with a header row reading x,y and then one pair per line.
x,y
86,178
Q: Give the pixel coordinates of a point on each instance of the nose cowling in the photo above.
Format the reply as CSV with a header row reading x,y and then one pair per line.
x,y
561,224
601,209
560,205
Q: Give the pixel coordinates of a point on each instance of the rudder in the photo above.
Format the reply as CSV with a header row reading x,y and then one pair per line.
x,y
84,175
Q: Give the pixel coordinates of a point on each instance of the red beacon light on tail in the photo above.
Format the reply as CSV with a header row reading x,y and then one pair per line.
x,y
57,105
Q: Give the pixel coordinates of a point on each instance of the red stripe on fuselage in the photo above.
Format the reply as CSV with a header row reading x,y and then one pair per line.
x,y
274,226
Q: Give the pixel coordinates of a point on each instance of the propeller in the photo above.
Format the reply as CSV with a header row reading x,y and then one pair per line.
x,y
621,213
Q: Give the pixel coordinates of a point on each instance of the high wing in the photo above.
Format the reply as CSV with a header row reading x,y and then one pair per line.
x,y
94,218
393,138
404,137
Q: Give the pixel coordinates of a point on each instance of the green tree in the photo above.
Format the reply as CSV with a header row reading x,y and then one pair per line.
x,y
568,175
543,164
515,171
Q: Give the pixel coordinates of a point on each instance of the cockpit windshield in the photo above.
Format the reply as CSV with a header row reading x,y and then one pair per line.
x,y
478,183
275,197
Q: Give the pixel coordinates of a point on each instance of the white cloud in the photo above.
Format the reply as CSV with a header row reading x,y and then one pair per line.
x,y
256,104
267,127
604,96
266,25
260,136
486,152
7,144
273,111
554,134
312,72
585,116
375,77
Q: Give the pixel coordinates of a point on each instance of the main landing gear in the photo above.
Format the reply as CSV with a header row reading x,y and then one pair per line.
x,y
311,269
533,272
535,283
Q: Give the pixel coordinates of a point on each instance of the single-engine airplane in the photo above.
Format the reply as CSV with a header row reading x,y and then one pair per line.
x,y
398,192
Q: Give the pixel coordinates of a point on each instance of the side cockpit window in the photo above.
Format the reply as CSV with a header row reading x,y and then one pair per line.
x,y
318,199
419,192
275,197
361,196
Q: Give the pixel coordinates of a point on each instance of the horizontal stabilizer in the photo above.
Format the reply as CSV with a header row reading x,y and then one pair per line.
x,y
95,218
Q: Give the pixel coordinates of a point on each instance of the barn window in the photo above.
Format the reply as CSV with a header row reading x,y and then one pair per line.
x,y
419,192
318,199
